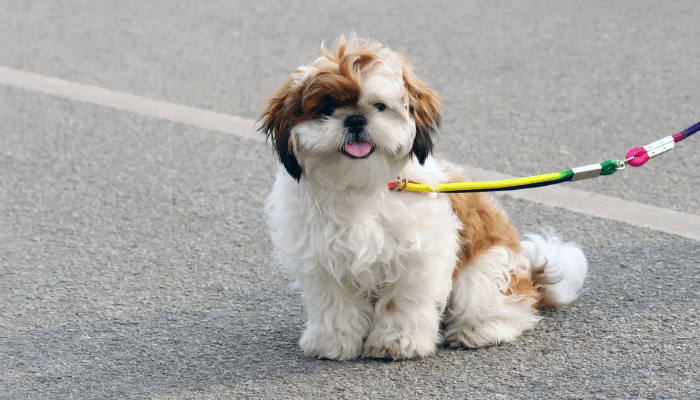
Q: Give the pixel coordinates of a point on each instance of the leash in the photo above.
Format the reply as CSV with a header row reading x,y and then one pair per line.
x,y
636,157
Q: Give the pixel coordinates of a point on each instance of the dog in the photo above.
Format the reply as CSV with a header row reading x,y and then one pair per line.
x,y
392,274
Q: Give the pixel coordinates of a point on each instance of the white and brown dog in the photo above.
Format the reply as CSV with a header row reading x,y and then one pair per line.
x,y
380,271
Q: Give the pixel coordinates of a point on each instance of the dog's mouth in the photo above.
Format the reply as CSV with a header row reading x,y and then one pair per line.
x,y
358,149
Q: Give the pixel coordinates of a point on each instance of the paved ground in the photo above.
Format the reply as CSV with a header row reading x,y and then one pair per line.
x,y
134,262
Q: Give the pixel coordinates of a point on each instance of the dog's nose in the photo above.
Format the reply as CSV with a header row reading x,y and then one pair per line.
x,y
355,123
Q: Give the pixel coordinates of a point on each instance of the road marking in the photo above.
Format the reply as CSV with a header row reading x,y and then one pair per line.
x,y
128,102
596,205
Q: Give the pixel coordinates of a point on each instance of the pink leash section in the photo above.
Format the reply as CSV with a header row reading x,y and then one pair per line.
x,y
637,156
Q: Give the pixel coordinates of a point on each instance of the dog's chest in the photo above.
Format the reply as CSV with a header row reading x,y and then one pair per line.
x,y
382,234
370,240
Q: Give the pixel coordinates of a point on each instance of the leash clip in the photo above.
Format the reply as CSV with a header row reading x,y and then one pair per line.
x,y
399,185
637,156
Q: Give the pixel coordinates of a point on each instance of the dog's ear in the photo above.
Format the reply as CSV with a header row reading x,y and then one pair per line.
x,y
424,106
277,125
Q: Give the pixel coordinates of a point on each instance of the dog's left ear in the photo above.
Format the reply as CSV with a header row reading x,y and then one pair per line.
x,y
277,125
424,106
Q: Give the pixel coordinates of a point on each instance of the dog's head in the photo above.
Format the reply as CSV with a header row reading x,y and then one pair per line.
x,y
352,118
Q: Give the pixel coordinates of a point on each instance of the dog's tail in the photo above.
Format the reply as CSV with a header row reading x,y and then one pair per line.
x,y
558,267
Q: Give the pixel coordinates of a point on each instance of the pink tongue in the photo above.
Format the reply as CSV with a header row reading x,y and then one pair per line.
x,y
358,149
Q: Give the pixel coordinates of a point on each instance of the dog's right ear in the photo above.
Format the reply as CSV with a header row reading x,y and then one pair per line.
x,y
277,125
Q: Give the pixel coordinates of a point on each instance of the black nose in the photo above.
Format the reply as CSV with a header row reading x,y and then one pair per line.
x,y
355,123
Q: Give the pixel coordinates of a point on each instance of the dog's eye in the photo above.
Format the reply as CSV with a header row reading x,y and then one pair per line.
x,y
380,106
327,109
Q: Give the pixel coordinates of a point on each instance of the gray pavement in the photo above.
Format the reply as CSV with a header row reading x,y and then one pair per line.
x,y
134,261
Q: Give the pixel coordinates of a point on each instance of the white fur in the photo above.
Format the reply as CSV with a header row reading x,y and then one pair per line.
x,y
353,253
564,265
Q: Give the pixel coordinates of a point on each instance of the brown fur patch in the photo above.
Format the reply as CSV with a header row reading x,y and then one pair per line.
x,y
524,286
390,307
334,81
484,226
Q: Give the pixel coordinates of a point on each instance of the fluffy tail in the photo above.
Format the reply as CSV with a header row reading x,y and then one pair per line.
x,y
559,267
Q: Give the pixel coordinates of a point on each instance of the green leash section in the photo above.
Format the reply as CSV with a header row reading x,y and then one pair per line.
x,y
636,157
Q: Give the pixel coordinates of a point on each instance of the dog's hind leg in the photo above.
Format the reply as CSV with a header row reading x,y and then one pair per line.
x,y
493,300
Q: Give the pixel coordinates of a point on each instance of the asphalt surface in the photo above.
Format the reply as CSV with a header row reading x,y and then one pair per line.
x,y
134,260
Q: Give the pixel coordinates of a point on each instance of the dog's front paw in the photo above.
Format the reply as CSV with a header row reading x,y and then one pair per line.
x,y
390,350
338,346
397,347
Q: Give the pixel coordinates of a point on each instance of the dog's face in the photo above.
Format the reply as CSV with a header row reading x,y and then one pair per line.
x,y
352,119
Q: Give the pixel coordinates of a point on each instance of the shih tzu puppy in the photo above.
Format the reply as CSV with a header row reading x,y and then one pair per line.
x,y
392,274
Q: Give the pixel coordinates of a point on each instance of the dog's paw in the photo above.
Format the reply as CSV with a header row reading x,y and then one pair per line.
x,y
341,346
397,347
391,351
470,340
486,334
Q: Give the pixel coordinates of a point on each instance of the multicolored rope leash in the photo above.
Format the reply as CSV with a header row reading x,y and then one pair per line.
x,y
636,157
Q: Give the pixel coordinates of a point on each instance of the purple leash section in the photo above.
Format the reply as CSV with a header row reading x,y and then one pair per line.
x,y
682,135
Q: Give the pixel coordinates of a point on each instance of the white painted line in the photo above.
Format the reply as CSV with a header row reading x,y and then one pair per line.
x,y
128,102
601,206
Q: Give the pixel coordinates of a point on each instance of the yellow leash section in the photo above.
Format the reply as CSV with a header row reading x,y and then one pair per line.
x,y
505,184
461,187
